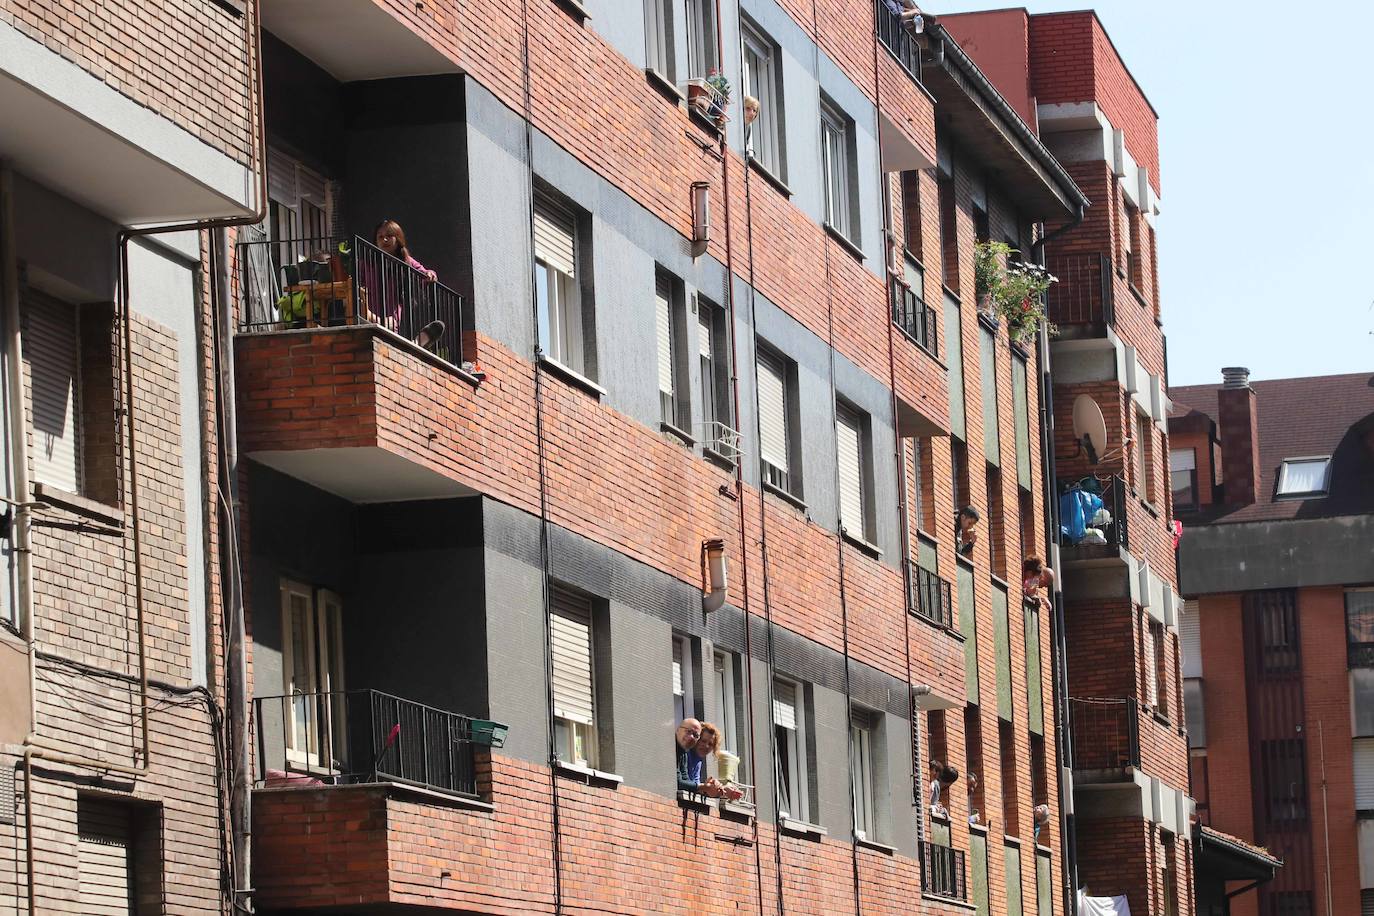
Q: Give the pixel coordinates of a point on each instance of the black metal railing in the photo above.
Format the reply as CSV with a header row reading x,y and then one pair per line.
x,y
942,871
897,38
1092,512
329,282
1106,732
916,319
931,597
361,736
1083,291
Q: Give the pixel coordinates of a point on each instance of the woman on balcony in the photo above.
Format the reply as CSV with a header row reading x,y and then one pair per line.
x,y
391,239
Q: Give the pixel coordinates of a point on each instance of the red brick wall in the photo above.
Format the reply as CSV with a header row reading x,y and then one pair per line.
x,y
999,40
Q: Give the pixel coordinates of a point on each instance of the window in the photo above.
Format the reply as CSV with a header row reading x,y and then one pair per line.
x,y
673,402
954,354
837,165
1040,777
118,856
763,81
1035,691
776,433
300,207
1156,681
713,352
684,697
1283,778
963,490
574,692
1144,478
1304,476
996,522
921,483
1363,752
862,773
1131,237
1025,512
973,763
949,236
1183,477
557,257
790,766
1011,798
982,227
911,213
987,368
313,675
1020,408
855,472
658,38
701,38
1359,627
1170,878
725,680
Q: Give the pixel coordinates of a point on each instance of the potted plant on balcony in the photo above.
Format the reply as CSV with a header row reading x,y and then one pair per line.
x,y
988,258
1014,293
710,97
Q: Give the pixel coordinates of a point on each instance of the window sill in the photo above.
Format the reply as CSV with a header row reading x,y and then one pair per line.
x,y
874,845
1149,507
978,828
588,775
846,242
1139,296
951,292
801,828
960,558
80,505
1044,850
718,458
694,802
664,85
783,495
1162,719
706,123
998,580
737,810
684,437
572,375
578,11
1020,350
949,901
949,631
864,545
772,179
1009,840
987,321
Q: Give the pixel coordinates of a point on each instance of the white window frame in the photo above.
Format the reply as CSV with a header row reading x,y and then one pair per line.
x,y
559,296
673,400
1184,461
1282,490
659,54
863,774
1142,468
684,678
575,741
700,19
706,355
1153,688
854,504
794,772
723,671
835,168
759,58
324,675
783,477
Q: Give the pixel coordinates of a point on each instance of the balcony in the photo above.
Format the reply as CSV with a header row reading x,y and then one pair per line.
x,y
1093,518
943,871
917,320
1081,302
366,736
356,39
895,36
1106,733
930,597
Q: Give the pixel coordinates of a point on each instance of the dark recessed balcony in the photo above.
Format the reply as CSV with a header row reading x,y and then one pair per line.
x,y
1081,302
1093,518
943,871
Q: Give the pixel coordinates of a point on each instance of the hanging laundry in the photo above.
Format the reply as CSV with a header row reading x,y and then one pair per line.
x,y
1102,906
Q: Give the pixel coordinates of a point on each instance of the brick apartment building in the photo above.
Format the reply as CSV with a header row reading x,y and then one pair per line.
x,y
808,383
112,679
1274,482
1131,807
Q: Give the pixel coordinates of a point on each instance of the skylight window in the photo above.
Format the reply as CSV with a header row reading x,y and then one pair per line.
x,y
1304,476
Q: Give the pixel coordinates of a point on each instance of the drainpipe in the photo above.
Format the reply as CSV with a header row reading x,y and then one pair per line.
x,y
1058,641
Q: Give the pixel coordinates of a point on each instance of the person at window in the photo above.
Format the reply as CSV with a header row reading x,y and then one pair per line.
x,y
391,238
942,776
966,530
1042,819
972,783
708,744
1035,575
691,766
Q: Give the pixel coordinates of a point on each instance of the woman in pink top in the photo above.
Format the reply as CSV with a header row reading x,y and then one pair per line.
x,y
1035,575
392,239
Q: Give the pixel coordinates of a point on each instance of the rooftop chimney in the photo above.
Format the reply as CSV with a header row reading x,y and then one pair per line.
x,y
1238,422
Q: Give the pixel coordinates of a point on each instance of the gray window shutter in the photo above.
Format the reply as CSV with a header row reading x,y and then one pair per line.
x,y
1190,639
50,352
554,236
785,704
849,448
1364,774
572,658
663,307
772,412
103,858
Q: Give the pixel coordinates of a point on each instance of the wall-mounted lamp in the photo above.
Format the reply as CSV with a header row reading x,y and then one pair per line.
x,y
714,554
701,217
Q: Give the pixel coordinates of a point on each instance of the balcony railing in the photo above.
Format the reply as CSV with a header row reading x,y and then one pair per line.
x,y
333,282
931,597
364,736
942,871
916,319
1092,512
1106,733
893,33
1083,293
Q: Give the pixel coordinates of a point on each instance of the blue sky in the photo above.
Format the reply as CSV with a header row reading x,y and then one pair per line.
x,y
1267,165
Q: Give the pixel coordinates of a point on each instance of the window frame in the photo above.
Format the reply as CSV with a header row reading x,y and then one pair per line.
x,y
851,417
700,24
568,731
1174,490
561,299
686,708
713,366
324,676
659,35
1281,493
1144,483
675,404
724,681
797,761
837,170
863,773
765,144
1359,653
785,480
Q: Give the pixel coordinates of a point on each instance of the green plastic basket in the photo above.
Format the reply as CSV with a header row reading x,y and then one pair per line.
x,y
489,733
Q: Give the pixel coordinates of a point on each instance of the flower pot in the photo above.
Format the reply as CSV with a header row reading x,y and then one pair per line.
x,y
700,96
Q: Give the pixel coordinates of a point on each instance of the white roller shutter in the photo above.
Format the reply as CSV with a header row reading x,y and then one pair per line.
x,y
554,236
1364,773
104,859
663,310
1190,640
1151,675
572,658
772,412
50,354
785,704
849,448
677,667
705,331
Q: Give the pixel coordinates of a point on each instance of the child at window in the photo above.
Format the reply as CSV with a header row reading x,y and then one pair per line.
x,y
392,239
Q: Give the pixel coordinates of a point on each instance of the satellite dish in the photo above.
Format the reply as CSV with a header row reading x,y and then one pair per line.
x,y
1089,427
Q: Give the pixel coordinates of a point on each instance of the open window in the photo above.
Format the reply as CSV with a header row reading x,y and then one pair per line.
x,y
791,769
863,771
313,677
574,690
560,253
